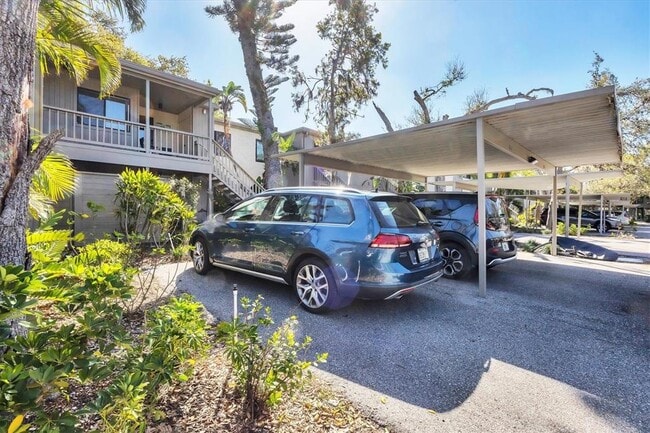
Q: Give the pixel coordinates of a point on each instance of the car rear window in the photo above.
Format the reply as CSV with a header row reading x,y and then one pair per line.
x,y
495,207
397,212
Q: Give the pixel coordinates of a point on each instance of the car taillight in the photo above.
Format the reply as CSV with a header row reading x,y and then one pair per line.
x,y
388,240
488,225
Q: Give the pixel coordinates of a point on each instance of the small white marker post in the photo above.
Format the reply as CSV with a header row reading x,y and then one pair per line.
x,y
234,301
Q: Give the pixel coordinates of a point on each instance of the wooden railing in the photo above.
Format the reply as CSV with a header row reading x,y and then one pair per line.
x,y
121,134
232,175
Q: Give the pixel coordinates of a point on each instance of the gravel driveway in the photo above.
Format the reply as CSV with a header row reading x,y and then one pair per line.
x,y
559,344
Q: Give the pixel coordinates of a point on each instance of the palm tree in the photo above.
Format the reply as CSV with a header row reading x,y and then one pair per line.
x,y
61,28
67,39
225,99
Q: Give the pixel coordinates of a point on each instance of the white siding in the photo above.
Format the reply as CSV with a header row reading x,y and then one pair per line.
x,y
98,188
243,148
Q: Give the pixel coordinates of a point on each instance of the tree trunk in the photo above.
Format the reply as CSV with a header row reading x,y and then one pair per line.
x,y
266,124
17,161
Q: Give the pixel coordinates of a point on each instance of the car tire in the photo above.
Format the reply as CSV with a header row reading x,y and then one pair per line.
x,y
608,227
315,286
201,257
457,261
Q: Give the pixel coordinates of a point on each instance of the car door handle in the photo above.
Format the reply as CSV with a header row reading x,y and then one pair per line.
x,y
438,224
297,233
249,230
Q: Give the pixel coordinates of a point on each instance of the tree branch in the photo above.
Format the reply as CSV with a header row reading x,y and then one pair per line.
x,y
383,116
423,106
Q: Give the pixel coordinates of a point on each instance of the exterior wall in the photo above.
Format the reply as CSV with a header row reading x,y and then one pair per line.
x,y
60,91
100,188
185,121
200,122
243,147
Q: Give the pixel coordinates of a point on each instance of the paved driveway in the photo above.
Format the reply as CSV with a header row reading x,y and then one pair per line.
x,y
559,344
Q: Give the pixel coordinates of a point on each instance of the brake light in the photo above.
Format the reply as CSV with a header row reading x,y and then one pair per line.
x,y
488,224
388,240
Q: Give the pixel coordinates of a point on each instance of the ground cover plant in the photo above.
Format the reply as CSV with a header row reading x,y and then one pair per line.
x,y
90,340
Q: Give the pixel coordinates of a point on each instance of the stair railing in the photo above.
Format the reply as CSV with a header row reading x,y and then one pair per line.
x,y
233,175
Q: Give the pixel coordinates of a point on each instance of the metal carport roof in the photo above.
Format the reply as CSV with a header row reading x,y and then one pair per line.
x,y
573,129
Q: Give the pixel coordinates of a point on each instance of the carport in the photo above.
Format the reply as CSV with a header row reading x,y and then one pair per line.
x,y
567,179
569,130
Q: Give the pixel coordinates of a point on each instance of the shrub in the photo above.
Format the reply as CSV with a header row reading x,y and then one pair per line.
x,y
264,372
149,211
176,334
573,229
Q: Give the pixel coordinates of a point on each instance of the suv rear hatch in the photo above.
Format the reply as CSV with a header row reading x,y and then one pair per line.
x,y
405,230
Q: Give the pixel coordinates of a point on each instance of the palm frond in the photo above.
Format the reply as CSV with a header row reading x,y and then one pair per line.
x,y
68,41
56,177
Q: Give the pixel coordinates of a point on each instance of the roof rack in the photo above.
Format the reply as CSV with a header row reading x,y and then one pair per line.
x,y
316,188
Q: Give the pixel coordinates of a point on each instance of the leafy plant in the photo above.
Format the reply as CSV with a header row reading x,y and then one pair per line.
x,y
573,229
265,372
176,334
149,211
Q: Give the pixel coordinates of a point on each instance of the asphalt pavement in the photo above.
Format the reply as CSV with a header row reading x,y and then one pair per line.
x,y
558,344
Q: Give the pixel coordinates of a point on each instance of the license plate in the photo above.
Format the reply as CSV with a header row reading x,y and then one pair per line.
x,y
505,246
423,254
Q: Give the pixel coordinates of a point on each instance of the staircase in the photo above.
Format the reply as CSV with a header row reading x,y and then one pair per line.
x,y
230,178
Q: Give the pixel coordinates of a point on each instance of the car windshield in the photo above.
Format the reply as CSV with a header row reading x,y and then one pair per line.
x,y
397,212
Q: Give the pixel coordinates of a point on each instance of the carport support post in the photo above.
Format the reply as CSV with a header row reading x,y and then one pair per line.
x,y
480,172
553,212
301,170
580,208
567,214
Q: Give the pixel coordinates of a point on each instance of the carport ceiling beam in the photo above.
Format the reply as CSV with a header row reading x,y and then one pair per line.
x,y
322,161
502,142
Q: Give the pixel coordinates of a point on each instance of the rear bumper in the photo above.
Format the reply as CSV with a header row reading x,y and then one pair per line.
x,y
392,284
500,260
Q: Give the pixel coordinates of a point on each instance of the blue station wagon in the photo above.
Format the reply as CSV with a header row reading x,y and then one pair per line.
x,y
332,245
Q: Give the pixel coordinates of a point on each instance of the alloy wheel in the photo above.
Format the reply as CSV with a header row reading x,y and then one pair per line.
x,y
198,257
312,286
454,262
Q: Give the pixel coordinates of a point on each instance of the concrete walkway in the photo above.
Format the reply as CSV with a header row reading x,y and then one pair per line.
x,y
632,242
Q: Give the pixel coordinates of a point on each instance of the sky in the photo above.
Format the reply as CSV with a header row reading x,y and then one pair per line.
x,y
518,45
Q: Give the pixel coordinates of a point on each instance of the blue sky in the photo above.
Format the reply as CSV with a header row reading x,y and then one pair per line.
x,y
515,44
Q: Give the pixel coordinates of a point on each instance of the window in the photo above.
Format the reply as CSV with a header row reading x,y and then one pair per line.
x,y
259,151
111,107
337,211
293,208
249,210
395,212
432,208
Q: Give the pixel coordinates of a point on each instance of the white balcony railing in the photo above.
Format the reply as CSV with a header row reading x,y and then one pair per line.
x,y
102,131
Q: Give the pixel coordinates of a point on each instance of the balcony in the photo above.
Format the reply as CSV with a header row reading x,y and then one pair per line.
x,y
99,131
88,137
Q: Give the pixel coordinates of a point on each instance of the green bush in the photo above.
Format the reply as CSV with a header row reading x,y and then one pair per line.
x,y
176,334
264,372
573,229
82,340
150,211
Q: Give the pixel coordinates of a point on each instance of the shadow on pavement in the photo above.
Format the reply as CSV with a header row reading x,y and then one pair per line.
x,y
583,327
